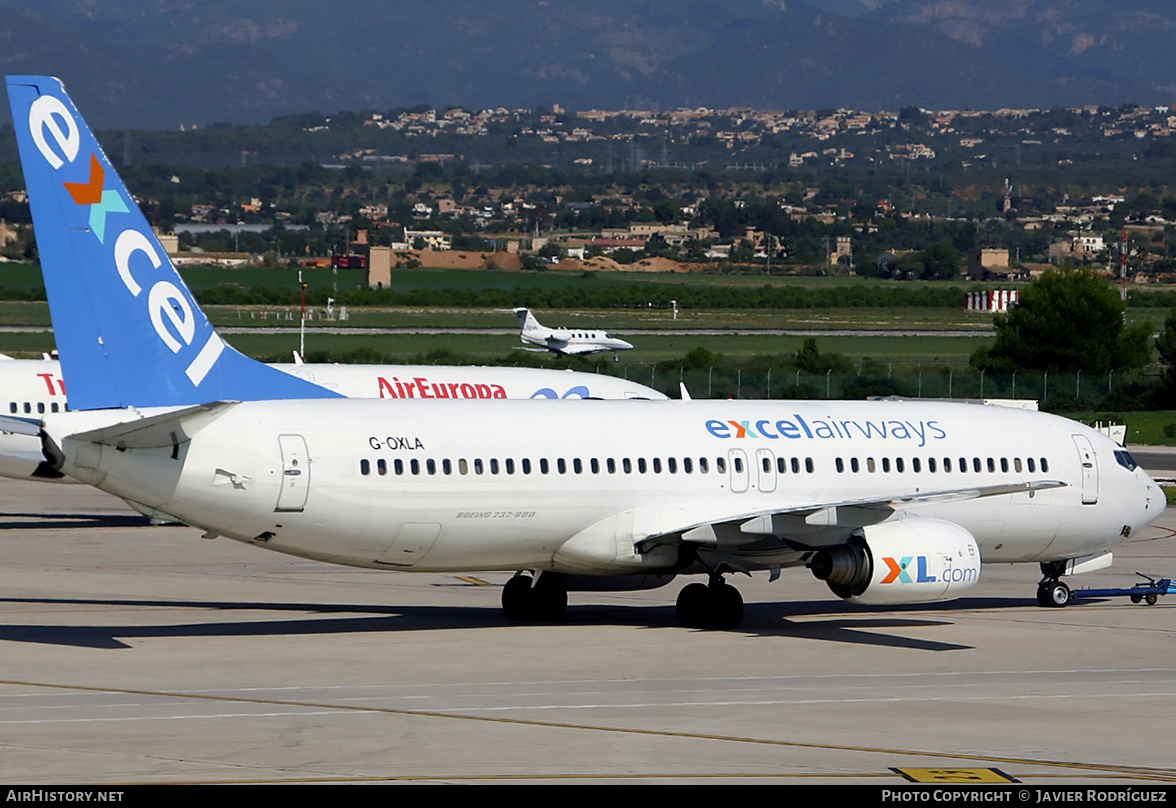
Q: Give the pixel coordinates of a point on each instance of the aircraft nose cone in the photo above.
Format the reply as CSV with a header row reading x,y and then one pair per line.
x,y
1154,500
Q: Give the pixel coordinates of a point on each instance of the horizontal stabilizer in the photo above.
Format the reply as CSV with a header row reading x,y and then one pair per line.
x,y
157,431
20,426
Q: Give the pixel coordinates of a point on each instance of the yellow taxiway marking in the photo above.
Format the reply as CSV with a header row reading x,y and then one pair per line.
x,y
916,775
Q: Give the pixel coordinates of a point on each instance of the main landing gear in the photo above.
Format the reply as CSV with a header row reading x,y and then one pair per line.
x,y
713,605
543,598
1050,590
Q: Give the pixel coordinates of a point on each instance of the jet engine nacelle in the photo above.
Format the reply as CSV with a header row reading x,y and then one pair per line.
x,y
914,560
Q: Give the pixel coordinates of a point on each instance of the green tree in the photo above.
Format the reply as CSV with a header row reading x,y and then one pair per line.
x,y
941,261
809,359
1166,345
1065,322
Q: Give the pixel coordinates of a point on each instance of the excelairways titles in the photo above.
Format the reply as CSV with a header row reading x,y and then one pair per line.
x,y
827,428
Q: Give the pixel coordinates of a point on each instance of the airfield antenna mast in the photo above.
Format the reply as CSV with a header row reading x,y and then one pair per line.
x,y
1123,247
302,320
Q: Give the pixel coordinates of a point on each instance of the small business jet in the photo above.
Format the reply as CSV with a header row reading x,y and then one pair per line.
x,y
566,341
888,502
36,386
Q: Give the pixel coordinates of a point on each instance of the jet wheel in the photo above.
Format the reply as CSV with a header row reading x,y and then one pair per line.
x,y
1054,594
715,606
545,600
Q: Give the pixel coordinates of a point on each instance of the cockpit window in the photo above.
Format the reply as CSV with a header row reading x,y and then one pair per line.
x,y
1124,458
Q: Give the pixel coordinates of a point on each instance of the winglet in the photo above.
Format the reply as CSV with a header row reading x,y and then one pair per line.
x,y
128,330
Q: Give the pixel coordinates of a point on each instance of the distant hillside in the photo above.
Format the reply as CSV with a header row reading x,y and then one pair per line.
x,y
163,63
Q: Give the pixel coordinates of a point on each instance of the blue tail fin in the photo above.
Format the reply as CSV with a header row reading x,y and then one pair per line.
x,y
128,330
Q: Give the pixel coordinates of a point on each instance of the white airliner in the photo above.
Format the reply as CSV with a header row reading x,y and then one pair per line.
x,y
36,386
566,341
889,502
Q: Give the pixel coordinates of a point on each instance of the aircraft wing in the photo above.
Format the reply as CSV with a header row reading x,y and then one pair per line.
x,y
793,530
851,513
580,349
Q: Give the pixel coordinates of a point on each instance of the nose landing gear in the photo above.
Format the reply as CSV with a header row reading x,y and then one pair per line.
x,y
1053,593
1050,590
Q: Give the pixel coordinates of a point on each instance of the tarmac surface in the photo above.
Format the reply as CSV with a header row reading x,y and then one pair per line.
x,y
138,654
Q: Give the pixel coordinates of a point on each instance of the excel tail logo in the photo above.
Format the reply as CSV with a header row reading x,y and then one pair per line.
x,y
900,570
101,201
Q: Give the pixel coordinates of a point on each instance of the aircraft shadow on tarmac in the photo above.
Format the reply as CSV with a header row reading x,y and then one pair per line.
x,y
69,521
844,623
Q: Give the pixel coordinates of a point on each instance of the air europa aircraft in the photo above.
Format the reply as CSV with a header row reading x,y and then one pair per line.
x,y
37,386
889,502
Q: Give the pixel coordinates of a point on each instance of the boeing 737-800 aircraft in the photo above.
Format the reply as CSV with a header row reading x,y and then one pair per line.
x,y
888,502
36,386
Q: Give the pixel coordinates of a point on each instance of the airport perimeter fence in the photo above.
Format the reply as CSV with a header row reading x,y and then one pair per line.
x,y
1057,391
